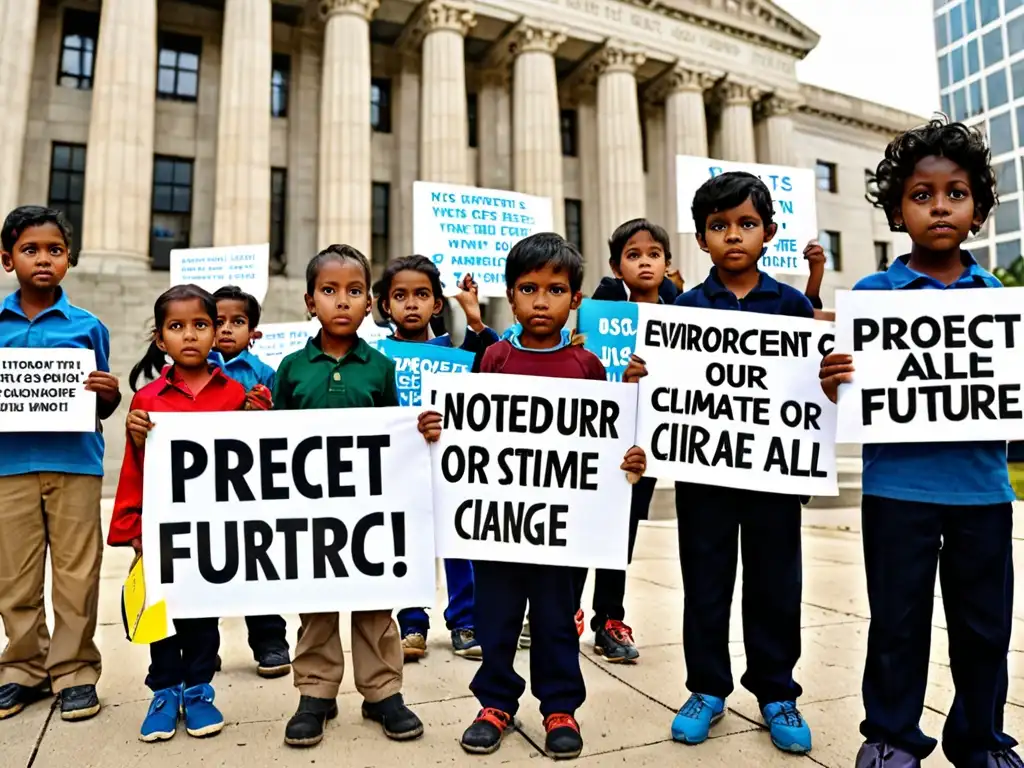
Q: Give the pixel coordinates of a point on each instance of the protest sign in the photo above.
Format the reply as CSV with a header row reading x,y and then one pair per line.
x,y
733,399
467,229
373,334
250,514
412,360
43,390
247,266
524,475
931,366
281,339
609,331
793,198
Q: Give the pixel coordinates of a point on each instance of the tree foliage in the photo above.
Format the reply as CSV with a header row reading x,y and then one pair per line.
x,y
1012,276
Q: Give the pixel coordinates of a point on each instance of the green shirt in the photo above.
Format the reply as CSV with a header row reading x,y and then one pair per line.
x,y
309,379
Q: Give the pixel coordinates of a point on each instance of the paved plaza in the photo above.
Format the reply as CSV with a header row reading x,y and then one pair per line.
x,y
625,720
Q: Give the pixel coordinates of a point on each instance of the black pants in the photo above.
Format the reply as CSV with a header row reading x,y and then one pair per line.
x,y
187,658
904,542
502,592
267,633
715,525
610,586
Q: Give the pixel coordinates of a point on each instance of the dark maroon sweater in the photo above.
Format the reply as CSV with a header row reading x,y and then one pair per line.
x,y
565,363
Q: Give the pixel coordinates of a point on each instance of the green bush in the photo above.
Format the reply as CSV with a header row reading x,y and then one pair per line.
x,y
1012,277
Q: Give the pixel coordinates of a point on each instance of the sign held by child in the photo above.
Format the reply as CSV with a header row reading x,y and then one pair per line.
x,y
247,266
43,390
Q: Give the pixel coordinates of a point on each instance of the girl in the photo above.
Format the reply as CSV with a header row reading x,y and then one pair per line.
x,y
338,369
410,295
181,667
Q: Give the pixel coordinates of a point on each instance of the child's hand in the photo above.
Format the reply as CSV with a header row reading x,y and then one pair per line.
x,y
137,546
676,278
138,425
258,399
105,385
634,464
635,371
468,298
430,426
835,369
815,256
254,337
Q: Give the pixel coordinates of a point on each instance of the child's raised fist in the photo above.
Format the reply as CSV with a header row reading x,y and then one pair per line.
x,y
469,299
430,426
635,371
634,464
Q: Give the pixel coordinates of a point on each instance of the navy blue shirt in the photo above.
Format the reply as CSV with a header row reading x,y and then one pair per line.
x,y
769,297
937,473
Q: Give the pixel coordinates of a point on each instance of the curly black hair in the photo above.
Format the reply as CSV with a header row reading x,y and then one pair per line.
x,y
964,146
27,216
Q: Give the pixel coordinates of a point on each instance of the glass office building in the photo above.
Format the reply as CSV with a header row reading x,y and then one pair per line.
x,y
980,46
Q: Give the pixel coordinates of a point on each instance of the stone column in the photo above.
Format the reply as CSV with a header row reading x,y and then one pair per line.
x,y
119,161
18,21
737,122
620,157
242,198
536,133
345,193
405,124
686,133
444,137
494,118
775,131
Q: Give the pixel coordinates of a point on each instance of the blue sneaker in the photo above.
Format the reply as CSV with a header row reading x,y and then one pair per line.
x,y
201,717
789,730
694,720
161,721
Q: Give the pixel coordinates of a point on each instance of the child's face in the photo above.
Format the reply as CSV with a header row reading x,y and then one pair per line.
x,y
187,333
736,237
39,257
937,207
542,301
340,300
411,302
643,264
233,334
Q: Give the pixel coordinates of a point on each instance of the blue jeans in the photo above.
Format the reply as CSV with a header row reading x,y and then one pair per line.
x,y
458,575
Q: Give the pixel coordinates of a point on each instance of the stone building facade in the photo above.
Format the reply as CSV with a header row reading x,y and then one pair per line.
x,y
167,123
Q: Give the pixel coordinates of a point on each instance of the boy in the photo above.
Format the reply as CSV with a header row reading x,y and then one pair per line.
x,y
928,505
238,315
734,220
639,255
50,483
544,274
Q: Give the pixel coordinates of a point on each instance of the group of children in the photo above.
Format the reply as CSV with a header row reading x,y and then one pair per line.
x,y
926,506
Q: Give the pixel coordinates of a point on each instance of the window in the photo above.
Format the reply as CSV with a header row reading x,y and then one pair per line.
x,y
977,103
971,16
981,254
172,207
1012,5
826,175
1020,125
574,222
278,212
956,23
1015,34
960,104
67,186
1007,217
280,80
947,105
941,33
989,11
177,76
471,112
570,130
380,104
996,86
956,58
78,49
944,70
973,58
1006,177
881,256
992,47
1017,72
381,222
1000,134
830,242
1007,253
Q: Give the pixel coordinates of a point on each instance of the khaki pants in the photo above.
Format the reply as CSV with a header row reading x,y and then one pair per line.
x,y
376,655
62,512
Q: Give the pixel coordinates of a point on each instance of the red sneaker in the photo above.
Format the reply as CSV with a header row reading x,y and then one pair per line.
x,y
579,622
484,736
563,741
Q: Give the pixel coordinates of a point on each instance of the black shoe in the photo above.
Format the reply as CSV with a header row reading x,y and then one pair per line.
x,y
273,663
399,722
614,642
485,734
306,728
14,697
79,702
563,741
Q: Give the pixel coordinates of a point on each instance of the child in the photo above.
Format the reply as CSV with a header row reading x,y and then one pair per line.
x,y
337,369
50,483
815,256
238,315
935,504
733,218
182,666
544,274
409,294
639,255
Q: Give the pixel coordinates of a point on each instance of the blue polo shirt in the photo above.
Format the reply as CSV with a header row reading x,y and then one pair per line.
x,y
936,473
769,297
245,368
63,326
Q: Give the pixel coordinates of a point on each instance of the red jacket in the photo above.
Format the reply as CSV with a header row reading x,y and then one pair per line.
x,y
168,394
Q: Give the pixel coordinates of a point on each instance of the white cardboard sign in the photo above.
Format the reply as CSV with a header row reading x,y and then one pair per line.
x,y
43,390
247,266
